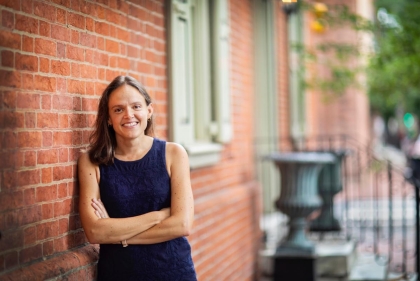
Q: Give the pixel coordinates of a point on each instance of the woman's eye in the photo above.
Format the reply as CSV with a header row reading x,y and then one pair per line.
x,y
117,110
137,107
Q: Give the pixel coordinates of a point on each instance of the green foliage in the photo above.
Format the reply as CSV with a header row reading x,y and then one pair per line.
x,y
394,69
336,57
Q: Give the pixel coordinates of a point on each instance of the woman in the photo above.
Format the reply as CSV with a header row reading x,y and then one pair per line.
x,y
143,183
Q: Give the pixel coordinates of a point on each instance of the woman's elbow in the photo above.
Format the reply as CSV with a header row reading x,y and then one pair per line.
x,y
186,228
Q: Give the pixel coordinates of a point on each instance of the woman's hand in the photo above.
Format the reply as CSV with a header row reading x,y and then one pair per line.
x,y
100,210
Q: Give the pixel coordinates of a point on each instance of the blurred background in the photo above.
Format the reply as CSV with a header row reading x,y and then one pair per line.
x,y
300,119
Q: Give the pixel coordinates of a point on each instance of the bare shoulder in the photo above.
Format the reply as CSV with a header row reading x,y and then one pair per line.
x,y
176,153
84,159
175,150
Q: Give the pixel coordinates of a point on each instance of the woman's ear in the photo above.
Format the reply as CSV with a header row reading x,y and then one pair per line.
x,y
149,111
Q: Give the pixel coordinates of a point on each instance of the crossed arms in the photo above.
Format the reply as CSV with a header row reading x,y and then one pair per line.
x,y
149,228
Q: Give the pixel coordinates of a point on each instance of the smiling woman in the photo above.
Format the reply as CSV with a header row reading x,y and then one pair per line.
x,y
134,201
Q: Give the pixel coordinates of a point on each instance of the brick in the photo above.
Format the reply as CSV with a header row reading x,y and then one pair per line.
x,y
75,53
112,46
63,155
48,248
29,196
13,4
49,156
90,25
62,190
28,101
65,3
7,58
90,104
30,215
77,104
11,260
7,19
45,47
45,83
100,11
76,86
62,172
63,121
61,244
45,11
29,235
61,16
46,193
11,200
89,55
26,62
29,139
46,101
60,67
10,40
61,50
47,140
61,102
75,70
11,120
123,35
87,40
30,254
10,78
113,61
26,24
61,85
9,140
100,43
8,99
44,65
27,6
47,211
46,175
101,58
60,33
30,158
28,177
77,138
27,44
88,71
44,28
47,120
62,208
102,28
76,20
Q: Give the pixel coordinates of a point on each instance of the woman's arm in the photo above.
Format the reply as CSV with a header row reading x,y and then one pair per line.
x,y
182,203
107,230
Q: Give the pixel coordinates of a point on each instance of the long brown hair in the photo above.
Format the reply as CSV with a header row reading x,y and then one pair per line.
x,y
102,140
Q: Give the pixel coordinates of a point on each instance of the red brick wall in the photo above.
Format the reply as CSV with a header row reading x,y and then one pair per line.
x,y
347,113
56,57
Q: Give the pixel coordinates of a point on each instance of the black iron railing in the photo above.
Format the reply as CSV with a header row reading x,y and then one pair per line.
x,y
379,203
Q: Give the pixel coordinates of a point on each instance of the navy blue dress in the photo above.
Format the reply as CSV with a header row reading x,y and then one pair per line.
x,y
131,188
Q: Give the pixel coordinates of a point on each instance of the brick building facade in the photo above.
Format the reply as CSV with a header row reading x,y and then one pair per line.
x,y
56,57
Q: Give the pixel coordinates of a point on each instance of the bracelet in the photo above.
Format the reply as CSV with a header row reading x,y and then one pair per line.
x,y
124,243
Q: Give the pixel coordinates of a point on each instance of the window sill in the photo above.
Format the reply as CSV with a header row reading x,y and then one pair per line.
x,y
203,154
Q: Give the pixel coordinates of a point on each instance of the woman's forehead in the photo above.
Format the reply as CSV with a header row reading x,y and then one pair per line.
x,y
126,93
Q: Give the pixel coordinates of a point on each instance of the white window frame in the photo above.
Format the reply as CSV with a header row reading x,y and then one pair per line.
x,y
199,78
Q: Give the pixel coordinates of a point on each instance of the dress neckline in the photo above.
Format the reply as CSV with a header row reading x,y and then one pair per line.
x,y
137,160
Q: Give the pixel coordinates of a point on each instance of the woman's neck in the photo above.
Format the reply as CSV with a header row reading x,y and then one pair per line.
x,y
133,149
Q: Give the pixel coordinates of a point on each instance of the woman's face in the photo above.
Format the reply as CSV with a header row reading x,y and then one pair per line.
x,y
128,112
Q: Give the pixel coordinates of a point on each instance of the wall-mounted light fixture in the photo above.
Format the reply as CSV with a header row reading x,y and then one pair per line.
x,y
290,6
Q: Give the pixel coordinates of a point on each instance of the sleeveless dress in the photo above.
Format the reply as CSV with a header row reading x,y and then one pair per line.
x,y
131,188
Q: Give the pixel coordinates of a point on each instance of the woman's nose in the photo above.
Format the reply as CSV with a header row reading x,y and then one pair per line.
x,y
129,113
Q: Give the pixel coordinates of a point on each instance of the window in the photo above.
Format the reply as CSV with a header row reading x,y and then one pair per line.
x,y
199,78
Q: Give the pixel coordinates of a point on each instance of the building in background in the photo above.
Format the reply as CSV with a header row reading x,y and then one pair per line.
x,y
222,78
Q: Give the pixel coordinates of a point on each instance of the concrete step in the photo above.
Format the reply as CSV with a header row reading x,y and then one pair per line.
x,y
366,268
